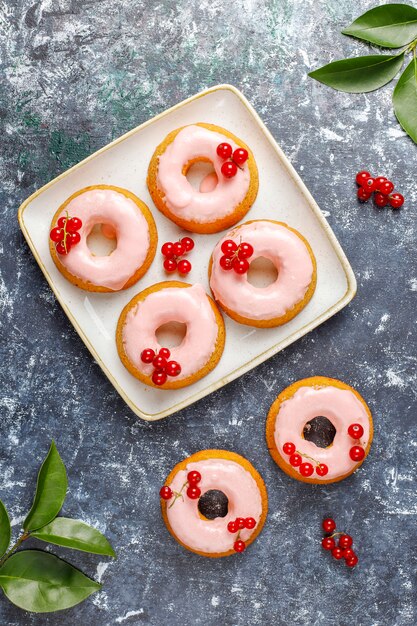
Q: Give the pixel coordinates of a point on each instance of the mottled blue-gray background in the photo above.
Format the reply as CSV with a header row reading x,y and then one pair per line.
x,y
75,74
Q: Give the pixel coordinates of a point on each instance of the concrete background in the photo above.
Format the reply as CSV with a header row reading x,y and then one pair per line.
x,y
75,75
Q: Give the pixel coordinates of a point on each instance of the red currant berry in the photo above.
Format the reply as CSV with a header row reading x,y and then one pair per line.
x,y
328,543
348,553
250,523
147,356
306,469
228,247
226,263
193,492
165,353
188,243
295,460
159,362
362,176
378,181
165,493
369,184
329,525
337,553
239,546
363,194
245,250
178,248
229,169
322,469
159,378
345,541
232,528
240,523
61,222
63,248
240,266
352,561
170,265
396,200
386,187
74,224
56,234
224,150
74,238
355,431
380,200
173,368
240,156
184,266
357,453
168,249
193,478
288,448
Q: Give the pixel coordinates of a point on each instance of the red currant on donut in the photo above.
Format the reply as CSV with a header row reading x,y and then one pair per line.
x,y
232,528
168,249
240,266
240,523
224,150
245,250
173,368
63,248
363,194
74,238
295,460
357,453
159,377
328,543
228,247
184,266
329,525
56,234
306,469
352,561
159,362
239,546
193,477
178,248
62,222
362,176
337,553
147,356
165,352
380,200
193,492
345,541
240,156
170,265
322,469
396,200
188,243
288,448
165,493
226,263
385,187
250,523
74,224
229,169
355,431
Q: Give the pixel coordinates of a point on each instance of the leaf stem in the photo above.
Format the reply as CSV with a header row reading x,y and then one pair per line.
x,y
13,549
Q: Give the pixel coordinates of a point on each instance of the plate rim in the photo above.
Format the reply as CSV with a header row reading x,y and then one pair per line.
x,y
260,358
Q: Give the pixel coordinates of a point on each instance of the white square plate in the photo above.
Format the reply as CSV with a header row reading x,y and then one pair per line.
x,y
282,196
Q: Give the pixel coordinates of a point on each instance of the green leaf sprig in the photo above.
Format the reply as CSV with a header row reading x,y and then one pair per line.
x,y
388,26
40,581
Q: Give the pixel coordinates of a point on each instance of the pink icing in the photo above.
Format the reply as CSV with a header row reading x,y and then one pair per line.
x,y
107,206
209,205
244,497
287,252
187,305
341,407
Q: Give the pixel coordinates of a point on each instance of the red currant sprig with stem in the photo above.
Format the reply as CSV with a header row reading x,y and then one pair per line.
x,y
382,189
344,548
163,367
296,460
235,159
237,526
235,257
173,251
65,234
193,491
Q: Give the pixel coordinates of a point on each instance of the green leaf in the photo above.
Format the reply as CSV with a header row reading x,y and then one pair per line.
x,y
5,530
360,74
51,490
41,582
72,533
405,100
389,26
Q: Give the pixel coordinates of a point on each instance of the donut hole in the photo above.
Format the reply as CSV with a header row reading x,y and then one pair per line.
x,y
262,273
319,431
201,175
171,334
213,503
102,240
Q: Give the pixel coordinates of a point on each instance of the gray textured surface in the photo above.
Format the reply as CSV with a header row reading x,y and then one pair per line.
x,y
76,74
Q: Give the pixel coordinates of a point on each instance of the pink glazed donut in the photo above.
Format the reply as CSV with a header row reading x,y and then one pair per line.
x,y
319,430
225,502
280,301
122,215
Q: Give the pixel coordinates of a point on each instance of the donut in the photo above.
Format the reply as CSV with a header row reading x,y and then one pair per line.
x,y
198,353
280,301
214,503
319,430
124,217
220,201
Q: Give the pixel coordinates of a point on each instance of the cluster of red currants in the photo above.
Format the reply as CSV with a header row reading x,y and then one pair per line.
x,y
382,189
236,526
356,453
193,491
163,367
65,234
234,158
235,257
344,548
296,460
173,251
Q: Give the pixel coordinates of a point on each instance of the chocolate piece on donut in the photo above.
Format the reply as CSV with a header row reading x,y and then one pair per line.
x,y
213,503
319,431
